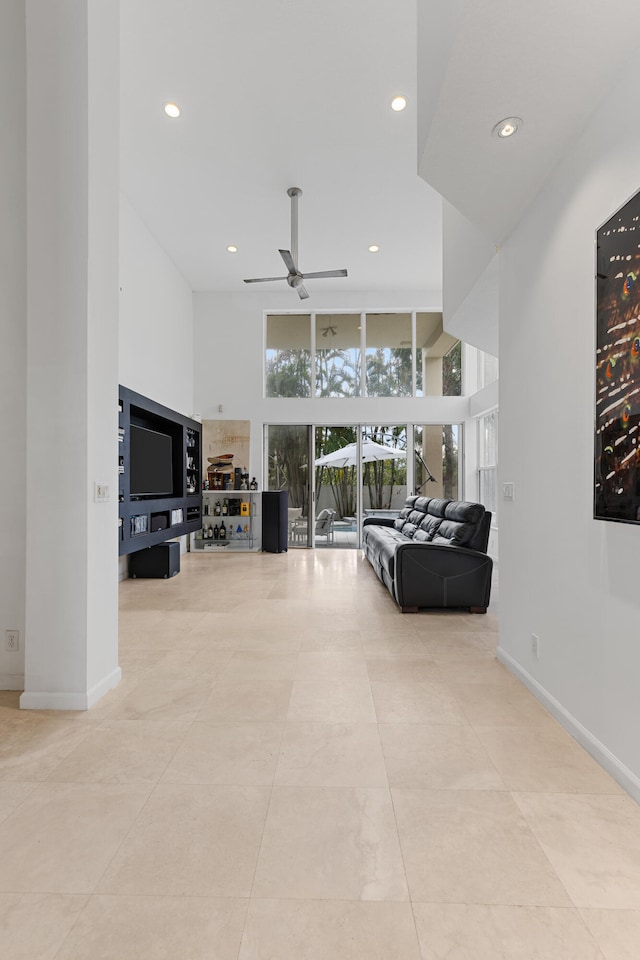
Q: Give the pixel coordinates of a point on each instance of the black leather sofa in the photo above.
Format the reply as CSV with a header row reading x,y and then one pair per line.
x,y
433,555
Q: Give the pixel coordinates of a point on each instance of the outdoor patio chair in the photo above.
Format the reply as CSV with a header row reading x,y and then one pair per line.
x,y
324,524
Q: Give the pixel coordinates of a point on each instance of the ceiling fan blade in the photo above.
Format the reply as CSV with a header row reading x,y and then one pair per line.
x,y
325,273
264,279
288,260
302,293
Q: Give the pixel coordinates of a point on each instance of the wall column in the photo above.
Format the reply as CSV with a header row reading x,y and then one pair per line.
x,y
71,647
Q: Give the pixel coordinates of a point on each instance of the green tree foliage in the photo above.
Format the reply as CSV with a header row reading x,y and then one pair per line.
x,y
389,372
452,371
288,373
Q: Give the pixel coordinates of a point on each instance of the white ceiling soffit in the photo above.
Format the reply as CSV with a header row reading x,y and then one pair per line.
x,y
275,94
550,62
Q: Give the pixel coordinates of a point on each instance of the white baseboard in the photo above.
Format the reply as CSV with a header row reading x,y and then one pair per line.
x,y
46,700
11,681
601,754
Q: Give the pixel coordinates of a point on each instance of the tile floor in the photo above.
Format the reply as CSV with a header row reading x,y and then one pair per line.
x,y
292,770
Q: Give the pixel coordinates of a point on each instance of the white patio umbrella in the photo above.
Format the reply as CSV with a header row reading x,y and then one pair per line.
x,y
346,456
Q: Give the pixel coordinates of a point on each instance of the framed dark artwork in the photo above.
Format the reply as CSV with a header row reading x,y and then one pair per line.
x,y
617,419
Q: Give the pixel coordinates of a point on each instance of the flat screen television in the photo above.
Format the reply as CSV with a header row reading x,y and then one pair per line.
x,y
151,463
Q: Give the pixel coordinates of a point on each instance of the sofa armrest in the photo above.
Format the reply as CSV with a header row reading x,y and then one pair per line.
x,y
379,521
436,575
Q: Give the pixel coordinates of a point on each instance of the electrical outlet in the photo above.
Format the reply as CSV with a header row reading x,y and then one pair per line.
x,y
535,646
12,639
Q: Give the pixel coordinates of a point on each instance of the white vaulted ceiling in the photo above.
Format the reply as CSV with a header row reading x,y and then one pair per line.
x,y
549,62
280,93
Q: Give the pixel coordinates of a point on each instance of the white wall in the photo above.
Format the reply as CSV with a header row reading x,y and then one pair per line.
x,y
13,334
156,318
229,366
566,577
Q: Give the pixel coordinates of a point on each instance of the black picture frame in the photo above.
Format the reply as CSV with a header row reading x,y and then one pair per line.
x,y
617,367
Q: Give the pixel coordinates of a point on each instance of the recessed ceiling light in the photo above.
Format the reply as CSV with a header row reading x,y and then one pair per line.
x,y
172,110
232,249
398,103
507,127
374,248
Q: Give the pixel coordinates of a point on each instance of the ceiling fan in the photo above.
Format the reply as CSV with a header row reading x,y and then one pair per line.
x,y
294,278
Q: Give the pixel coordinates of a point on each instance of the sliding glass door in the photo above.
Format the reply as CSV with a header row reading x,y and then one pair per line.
x,y
336,475
287,449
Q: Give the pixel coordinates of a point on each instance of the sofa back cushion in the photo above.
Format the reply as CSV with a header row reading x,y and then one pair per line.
x,y
457,523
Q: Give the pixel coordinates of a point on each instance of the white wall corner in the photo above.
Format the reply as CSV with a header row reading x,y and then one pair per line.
x,y
607,760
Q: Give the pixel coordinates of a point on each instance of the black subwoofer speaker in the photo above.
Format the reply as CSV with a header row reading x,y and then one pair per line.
x,y
160,562
275,516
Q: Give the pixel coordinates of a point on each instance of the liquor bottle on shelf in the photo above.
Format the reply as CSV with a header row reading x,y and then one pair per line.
x,y
209,532
225,507
223,531
216,532
217,510
254,484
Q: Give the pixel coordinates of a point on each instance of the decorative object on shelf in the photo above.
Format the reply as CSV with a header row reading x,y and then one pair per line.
x,y
245,508
254,484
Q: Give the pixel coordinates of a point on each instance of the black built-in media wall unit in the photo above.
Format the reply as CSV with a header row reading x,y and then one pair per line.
x,y
159,483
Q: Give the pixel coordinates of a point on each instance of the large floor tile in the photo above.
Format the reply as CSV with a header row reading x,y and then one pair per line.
x,y
173,698
594,844
265,700
11,796
437,757
331,637
32,746
411,702
321,665
323,929
63,836
33,925
162,928
259,665
544,759
124,751
401,670
616,931
497,705
453,931
330,843
233,753
331,755
472,846
191,840
331,701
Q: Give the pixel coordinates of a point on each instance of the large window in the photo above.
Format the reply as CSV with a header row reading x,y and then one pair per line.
x,y
488,463
338,355
288,356
357,354
389,355
438,359
436,455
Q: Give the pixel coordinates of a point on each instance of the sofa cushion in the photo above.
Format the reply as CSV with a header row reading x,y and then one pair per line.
x,y
464,511
401,519
454,533
429,526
